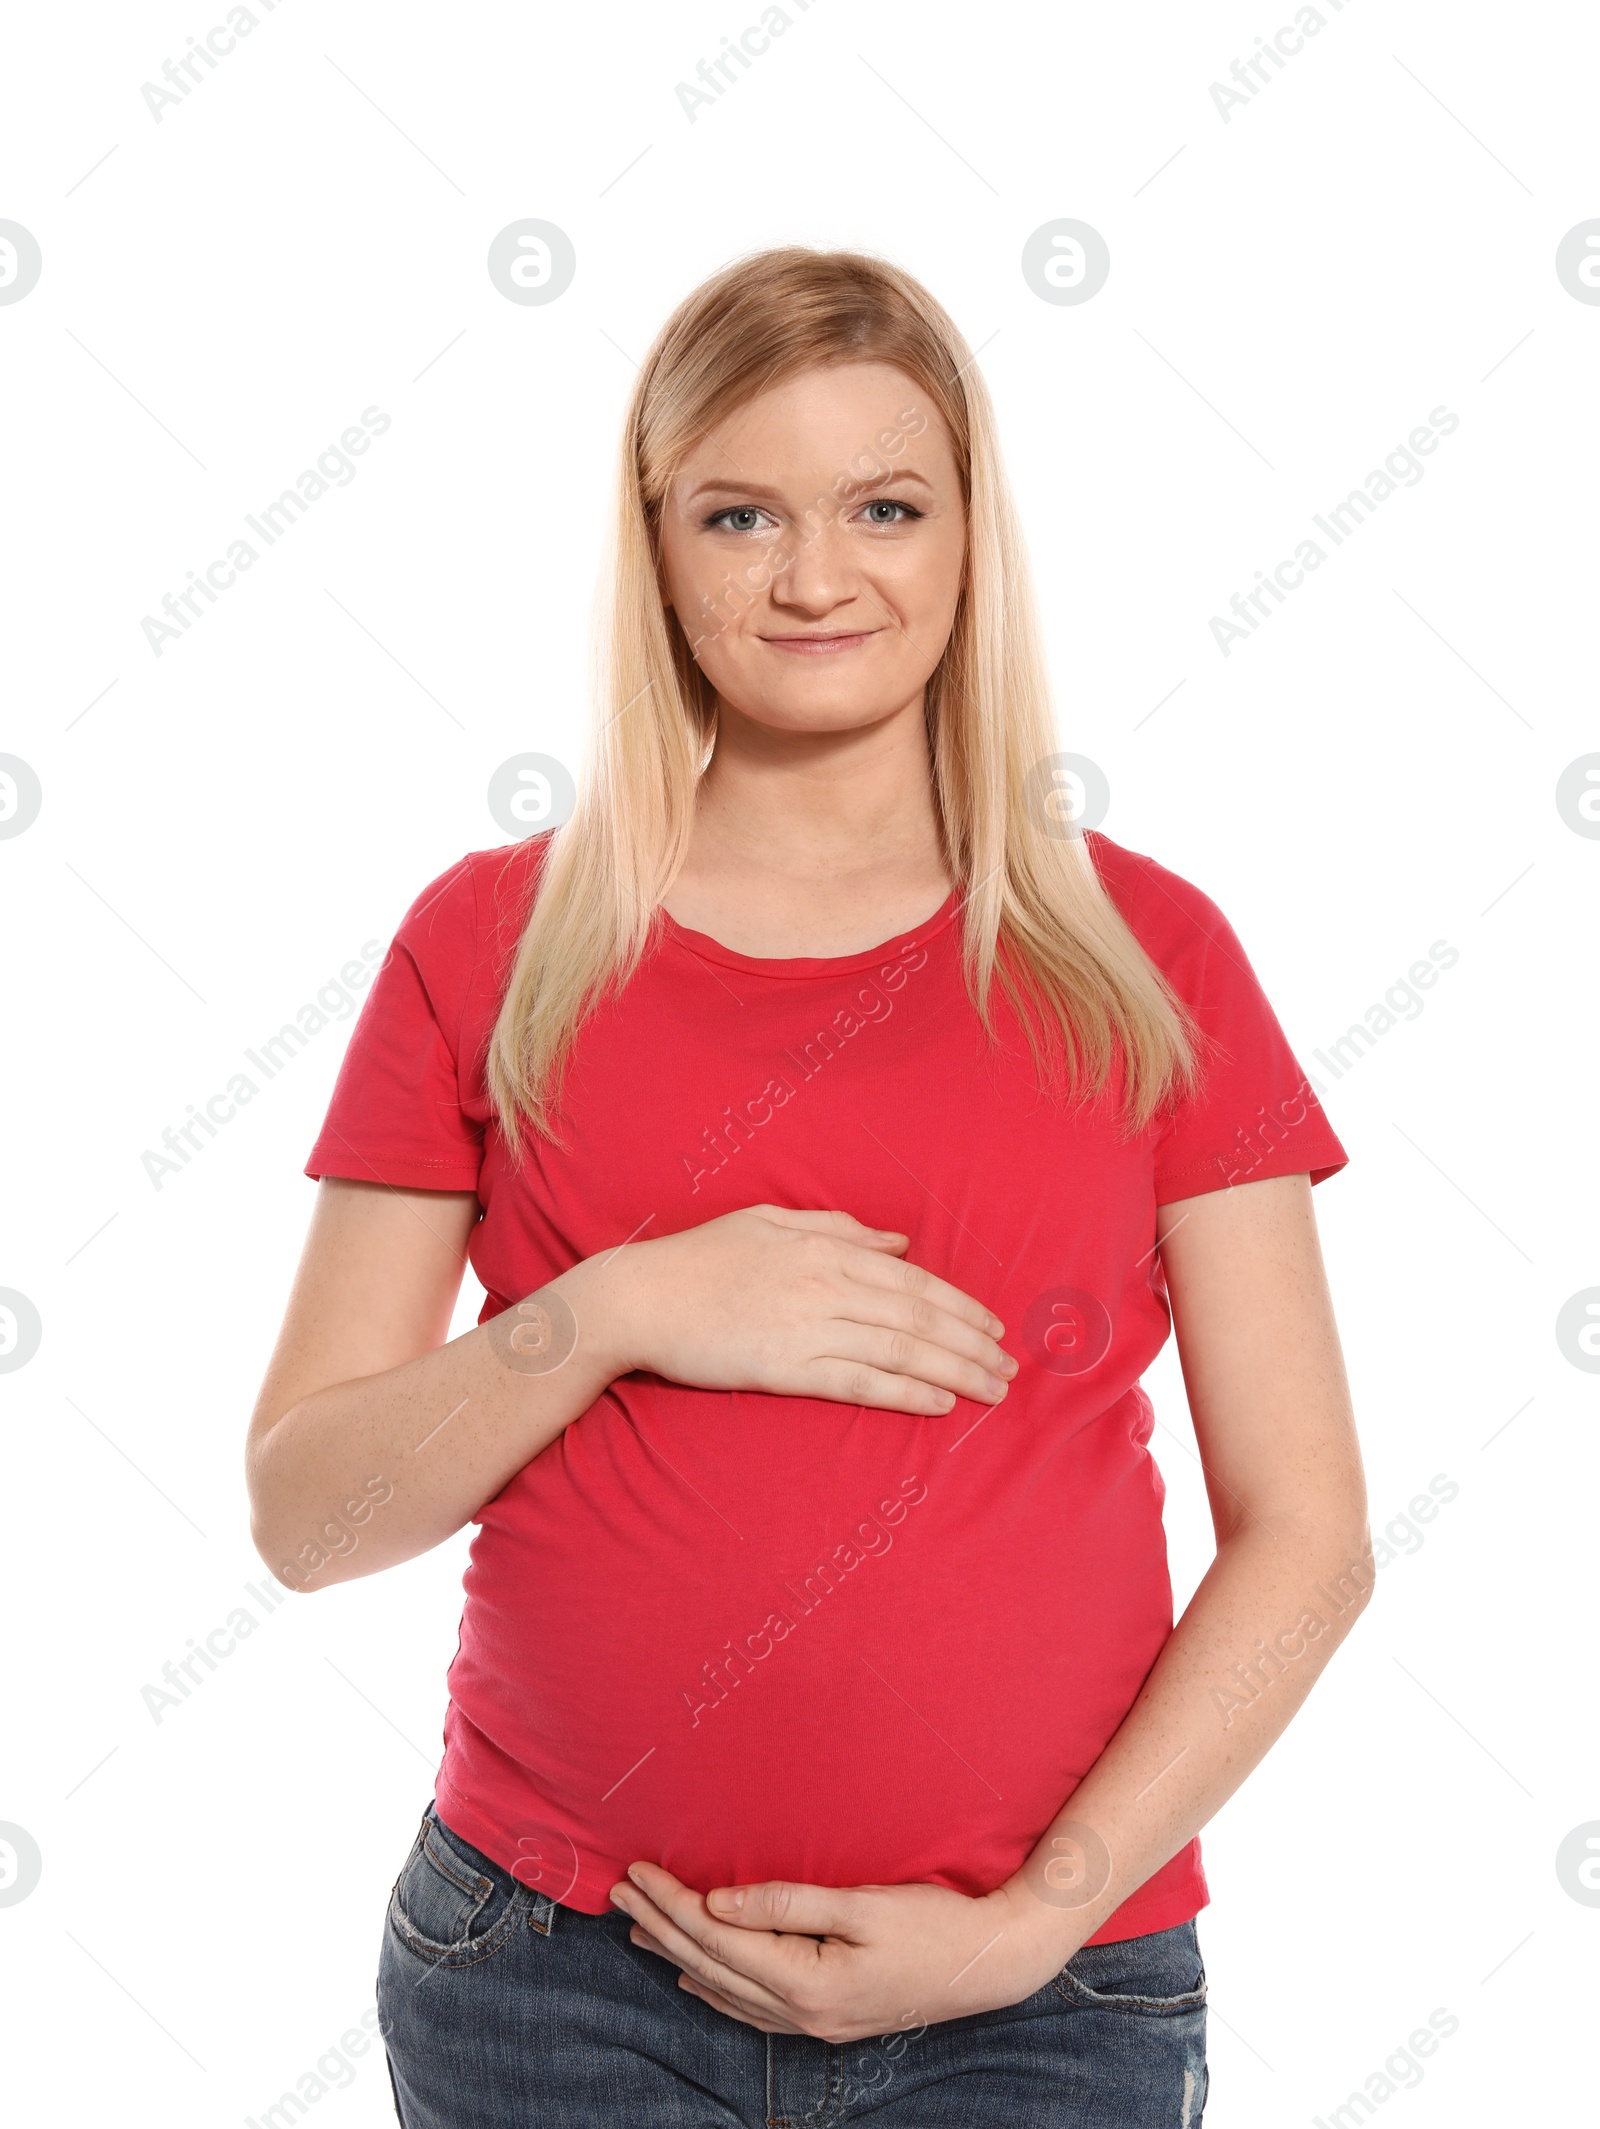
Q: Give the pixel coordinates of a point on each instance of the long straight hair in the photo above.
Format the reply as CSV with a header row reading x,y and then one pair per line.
x,y
1037,923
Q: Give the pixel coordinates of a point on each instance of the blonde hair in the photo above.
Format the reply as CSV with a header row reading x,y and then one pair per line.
x,y
1037,920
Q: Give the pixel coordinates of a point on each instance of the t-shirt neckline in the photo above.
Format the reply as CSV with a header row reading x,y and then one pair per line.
x,y
810,966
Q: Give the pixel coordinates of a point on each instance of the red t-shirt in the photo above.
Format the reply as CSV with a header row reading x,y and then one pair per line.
x,y
755,1637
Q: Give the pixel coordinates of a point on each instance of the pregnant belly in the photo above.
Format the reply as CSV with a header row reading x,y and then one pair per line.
x,y
754,1637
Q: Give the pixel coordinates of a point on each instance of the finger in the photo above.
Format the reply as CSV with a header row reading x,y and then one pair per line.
x,y
852,1382
647,1943
731,2009
903,1353
737,2004
922,1359
705,1960
842,1225
801,1910
885,1308
744,2011
925,1285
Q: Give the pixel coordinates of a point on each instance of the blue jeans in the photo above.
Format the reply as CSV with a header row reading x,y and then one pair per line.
x,y
501,2008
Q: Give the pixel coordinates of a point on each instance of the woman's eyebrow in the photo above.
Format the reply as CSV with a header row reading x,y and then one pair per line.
x,y
721,486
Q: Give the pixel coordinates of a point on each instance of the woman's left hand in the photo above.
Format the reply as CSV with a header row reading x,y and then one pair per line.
x,y
844,1964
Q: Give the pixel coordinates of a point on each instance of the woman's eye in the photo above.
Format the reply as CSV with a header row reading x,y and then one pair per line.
x,y
883,512
744,517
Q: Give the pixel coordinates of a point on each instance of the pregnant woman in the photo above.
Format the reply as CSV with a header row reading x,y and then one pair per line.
x,y
838,1126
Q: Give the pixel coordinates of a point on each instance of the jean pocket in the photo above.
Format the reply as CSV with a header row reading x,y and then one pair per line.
x,y
1157,1975
452,1906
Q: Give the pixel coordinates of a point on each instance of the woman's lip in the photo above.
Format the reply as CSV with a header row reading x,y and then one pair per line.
x,y
813,646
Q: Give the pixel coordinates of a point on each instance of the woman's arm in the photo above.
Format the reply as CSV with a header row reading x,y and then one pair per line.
x,y
373,1440
1271,1409
1293,1571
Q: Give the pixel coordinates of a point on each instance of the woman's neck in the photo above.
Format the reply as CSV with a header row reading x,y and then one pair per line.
x,y
808,843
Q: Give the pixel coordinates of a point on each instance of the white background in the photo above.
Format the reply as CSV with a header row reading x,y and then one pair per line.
x,y
1292,290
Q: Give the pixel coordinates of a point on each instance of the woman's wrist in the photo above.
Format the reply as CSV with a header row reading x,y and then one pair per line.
x,y
603,1293
1047,1936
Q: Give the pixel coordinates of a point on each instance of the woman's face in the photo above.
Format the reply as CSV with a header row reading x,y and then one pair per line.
x,y
812,548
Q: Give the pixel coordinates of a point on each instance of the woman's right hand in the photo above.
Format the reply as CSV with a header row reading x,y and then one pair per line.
x,y
376,1434
798,1304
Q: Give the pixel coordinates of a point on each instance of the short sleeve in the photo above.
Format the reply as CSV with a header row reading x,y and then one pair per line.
x,y
1254,1112
396,1115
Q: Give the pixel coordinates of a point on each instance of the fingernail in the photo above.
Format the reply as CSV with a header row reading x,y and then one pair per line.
x,y
946,1400
725,1903
633,1872
616,1895
1008,1367
997,1388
